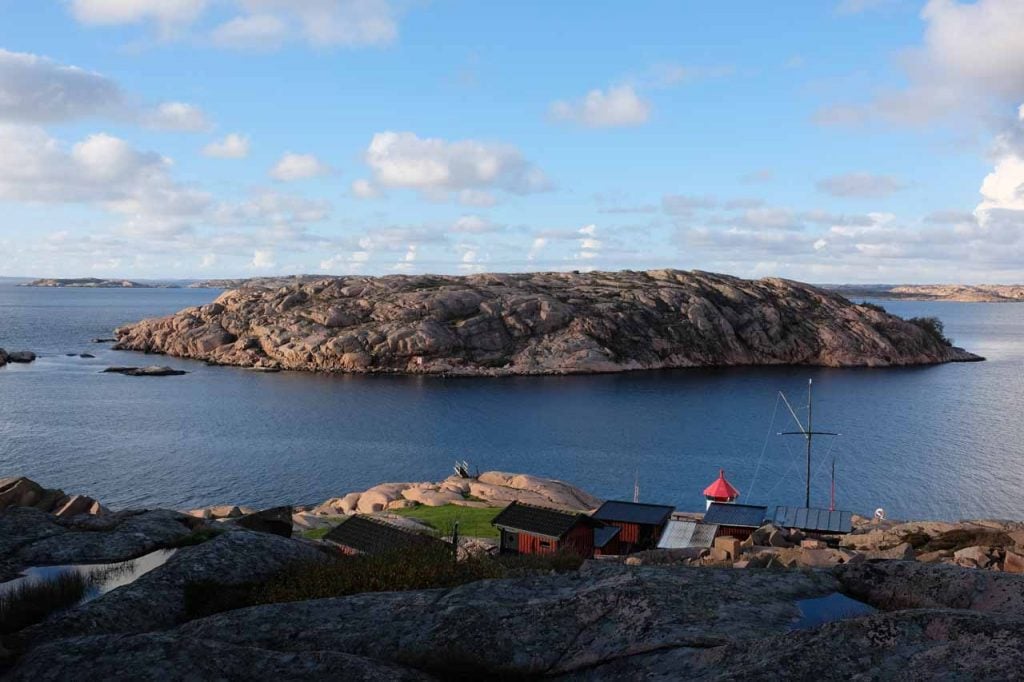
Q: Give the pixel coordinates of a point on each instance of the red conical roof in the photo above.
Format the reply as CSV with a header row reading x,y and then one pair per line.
x,y
721,488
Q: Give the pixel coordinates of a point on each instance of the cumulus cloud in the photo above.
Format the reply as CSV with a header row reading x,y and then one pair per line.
x,y
971,60
291,167
263,259
860,186
231,146
474,224
618,106
364,189
437,167
35,89
177,116
860,6
253,24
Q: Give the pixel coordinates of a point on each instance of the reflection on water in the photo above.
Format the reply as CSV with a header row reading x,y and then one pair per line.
x,y
833,607
99,578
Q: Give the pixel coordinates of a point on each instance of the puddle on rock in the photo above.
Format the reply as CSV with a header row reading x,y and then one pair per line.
x,y
98,578
832,607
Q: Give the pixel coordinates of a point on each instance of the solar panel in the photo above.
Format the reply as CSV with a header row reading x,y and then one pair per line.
x,y
742,515
813,519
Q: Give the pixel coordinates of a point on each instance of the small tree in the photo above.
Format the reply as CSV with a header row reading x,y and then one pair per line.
x,y
934,327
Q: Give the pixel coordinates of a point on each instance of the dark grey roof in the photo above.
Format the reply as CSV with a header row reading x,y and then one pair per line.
x,y
633,512
741,515
682,534
552,523
602,536
813,519
371,536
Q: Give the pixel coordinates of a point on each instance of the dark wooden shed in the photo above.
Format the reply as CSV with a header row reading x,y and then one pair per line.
x,y
735,520
366,535
529,529
641,524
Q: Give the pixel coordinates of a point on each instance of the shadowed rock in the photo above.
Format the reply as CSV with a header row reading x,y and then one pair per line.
x,y
540,323
153,371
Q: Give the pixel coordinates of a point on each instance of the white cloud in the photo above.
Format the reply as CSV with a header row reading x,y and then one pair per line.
x,y
364,189
437,167
177,116
254,24
474,224
860,186
538,245
971,60
263,259
475,197
860,6
589,244
167,14
291,167
618,106
254,31
35,89
231,146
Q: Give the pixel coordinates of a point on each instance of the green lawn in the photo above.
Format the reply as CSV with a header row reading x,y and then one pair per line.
x,y
473,522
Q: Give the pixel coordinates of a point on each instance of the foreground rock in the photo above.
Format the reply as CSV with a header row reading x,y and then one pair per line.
x,y
157,600
541,323
152,371
551,625
30,537
24,492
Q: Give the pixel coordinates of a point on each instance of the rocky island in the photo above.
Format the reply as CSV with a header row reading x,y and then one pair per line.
x,y
21,356
969,293
94,283
539,323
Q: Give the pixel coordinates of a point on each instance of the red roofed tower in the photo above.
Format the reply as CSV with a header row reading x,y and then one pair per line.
x,y
721,490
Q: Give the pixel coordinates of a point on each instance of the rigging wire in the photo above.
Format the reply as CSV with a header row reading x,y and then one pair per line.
x,y
764,448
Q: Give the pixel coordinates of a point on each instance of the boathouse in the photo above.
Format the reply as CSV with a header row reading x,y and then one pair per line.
x,y
814,522
529,529
720,491
735,520
366,535
640,525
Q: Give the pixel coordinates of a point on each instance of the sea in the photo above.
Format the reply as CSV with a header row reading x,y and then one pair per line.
x,y
941,442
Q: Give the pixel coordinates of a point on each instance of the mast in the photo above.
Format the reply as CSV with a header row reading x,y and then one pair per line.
x,y
832,499
808,433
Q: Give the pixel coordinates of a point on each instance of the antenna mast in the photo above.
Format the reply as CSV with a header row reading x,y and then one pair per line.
x,y
636,486
808,433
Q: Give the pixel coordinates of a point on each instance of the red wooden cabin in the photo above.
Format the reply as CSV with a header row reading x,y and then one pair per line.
x,y
529,529
641,525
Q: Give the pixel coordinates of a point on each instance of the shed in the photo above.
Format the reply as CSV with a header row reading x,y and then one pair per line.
x,y
641,524
366,535
530,529
736,520
814,521
681,534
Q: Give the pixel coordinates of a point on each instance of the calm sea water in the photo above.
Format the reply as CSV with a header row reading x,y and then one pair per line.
x,y
941,442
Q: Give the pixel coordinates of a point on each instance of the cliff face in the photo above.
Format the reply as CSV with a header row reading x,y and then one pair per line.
x,y
540,323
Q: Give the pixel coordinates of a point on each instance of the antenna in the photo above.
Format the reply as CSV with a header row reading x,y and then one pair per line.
x,y
809,434
636,486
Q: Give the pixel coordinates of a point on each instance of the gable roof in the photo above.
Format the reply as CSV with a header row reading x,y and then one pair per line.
x,y
741,515
681,534
552,523
813,519
634,512
371,536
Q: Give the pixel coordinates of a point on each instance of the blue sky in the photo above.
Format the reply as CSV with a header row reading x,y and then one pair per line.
x,y
826,140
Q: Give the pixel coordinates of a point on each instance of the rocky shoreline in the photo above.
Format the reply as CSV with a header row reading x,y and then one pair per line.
x,y
539,323
648,616
22,356
965,293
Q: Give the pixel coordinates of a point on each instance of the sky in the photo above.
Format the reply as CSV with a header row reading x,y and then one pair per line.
x,y
822,140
